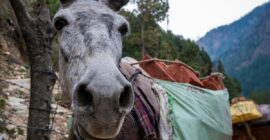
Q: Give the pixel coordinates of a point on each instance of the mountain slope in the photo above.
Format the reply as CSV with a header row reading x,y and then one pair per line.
x,y
244,48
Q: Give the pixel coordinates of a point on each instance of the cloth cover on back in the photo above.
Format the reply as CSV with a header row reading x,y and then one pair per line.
x,y
198,113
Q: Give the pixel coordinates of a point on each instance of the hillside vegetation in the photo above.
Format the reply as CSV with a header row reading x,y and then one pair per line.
x,y
166,45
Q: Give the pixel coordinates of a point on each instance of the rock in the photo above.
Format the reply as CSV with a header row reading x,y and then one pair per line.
x,y
10,127
16,104
21,82
61,109
4,137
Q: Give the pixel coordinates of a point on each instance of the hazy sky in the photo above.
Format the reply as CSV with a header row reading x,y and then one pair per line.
x,y
193,18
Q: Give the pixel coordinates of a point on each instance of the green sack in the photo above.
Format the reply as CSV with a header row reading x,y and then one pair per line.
x,y
198,113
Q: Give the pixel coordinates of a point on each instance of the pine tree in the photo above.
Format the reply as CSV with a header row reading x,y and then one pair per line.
x,y
150,12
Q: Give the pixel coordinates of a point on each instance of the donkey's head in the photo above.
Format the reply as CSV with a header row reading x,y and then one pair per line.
x,y
90,38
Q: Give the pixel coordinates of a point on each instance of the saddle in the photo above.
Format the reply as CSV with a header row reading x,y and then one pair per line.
x,y
146,105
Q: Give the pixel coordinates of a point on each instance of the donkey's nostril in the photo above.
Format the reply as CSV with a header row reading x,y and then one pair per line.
x,y
126,98
85,97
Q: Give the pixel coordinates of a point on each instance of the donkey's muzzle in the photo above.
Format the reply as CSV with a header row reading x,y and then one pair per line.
x,y
100,95
101,105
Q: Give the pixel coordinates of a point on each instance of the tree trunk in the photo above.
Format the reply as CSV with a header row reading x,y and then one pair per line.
x,y
142,39
38,34
142,29
158,47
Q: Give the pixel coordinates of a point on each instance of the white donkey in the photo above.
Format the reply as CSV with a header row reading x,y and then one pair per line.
x,y
90,39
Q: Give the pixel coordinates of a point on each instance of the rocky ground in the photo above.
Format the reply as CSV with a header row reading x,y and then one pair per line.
x,y
14,101
14,113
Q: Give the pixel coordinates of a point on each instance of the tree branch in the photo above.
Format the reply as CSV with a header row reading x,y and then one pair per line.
x,y
24,19
41,10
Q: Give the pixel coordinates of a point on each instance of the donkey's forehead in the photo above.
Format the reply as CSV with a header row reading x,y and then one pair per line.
x,y
87,10
92,7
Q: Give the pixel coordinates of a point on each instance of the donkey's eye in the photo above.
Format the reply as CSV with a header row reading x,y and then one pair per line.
x,y
60,23
123,29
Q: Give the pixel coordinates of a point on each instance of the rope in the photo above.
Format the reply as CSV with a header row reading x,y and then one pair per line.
x,y
34,108
4,122
134,75
34,92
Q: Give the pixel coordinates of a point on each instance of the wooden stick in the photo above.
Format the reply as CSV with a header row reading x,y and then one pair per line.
x,y
165,61
249,131
214,74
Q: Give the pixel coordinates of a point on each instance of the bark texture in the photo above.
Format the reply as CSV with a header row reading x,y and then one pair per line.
x,y
38,34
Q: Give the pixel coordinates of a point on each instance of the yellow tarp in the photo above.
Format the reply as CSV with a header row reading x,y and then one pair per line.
x,y
244,111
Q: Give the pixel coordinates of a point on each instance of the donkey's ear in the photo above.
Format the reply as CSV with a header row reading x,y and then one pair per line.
x,y
66,2
115,4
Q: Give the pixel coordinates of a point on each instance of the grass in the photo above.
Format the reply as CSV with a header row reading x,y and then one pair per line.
x,y
2,103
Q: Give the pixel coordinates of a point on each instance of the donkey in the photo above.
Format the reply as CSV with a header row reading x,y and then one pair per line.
x,y
90,50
